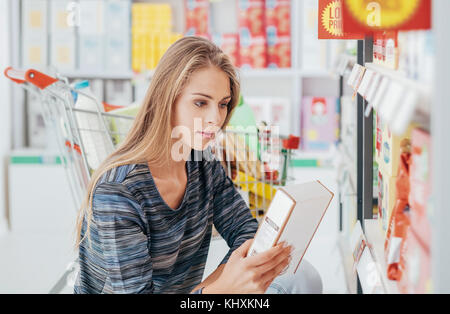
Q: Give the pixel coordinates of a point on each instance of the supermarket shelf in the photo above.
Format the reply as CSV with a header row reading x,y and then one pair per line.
x,y
376,240
424,89
99,75
268,73
347,262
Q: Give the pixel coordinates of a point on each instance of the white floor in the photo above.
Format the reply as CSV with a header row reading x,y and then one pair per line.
x,y
33,261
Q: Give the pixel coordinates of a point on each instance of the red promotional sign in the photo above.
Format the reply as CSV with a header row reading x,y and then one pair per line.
x,y
331,21
365,16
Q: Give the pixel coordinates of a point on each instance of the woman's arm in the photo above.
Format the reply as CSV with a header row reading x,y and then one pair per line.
x,y
211,278
119,247
232,217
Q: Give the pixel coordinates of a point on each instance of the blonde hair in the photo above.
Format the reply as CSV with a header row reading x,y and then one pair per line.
x,y
149,139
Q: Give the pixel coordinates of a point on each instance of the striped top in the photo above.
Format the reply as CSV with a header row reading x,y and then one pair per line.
x,y
141,245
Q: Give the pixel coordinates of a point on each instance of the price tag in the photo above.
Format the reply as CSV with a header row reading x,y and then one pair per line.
x,y
366,82
373,87
380,93
405,112
392,101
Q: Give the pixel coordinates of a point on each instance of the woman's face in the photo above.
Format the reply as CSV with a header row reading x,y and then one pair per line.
x,y
201,109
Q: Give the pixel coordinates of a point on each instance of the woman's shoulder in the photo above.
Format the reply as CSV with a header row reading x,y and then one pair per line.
x,y
126,176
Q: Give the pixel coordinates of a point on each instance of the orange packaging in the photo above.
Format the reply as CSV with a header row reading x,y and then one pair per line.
x,y
399,221
253,52
229,43
416,277
278,17
251,17
279,52
420,180
197,17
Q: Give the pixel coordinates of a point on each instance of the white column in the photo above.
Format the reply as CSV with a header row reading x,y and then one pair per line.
x,y
440,121
5,110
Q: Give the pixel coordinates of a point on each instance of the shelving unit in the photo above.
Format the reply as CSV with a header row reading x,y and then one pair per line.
x,y
253,80
431,113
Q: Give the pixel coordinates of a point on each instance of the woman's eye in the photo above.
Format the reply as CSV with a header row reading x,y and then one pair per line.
x,y
200,103
225,105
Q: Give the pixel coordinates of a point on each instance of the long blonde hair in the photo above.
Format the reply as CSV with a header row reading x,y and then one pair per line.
x,y
149,139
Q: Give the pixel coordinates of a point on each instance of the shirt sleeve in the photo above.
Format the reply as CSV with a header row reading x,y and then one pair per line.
x,y
122,241
232,217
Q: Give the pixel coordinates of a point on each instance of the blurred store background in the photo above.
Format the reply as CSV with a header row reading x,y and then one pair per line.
x,y
308,87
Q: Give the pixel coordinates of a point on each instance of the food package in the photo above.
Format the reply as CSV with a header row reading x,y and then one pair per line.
x,y
229,43
416,277
253,52
420,180
386,199
251,17
399,221
319,122
278,32
197,17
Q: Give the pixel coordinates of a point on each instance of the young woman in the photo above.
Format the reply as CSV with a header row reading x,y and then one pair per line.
x,y
145,226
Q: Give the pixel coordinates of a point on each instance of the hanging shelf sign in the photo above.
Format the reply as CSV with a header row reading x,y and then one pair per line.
x,y
367,17
331,21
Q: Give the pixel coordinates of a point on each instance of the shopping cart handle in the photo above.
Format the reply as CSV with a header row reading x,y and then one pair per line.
x,y
32,76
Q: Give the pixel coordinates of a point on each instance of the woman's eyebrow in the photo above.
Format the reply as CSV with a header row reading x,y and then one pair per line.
x,y
210,97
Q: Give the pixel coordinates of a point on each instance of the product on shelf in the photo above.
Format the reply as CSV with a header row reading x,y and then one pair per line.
x,y
320,122
253,52
197,17
252,35
91,35
399,221
278,32
420,180
386,199
117,39
251,17
151,34
416,277
229,43
388,147
62,41
34,24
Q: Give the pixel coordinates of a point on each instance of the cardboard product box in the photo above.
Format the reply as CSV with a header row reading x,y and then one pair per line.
x,y
197,17
251,18
278,17
389,156
420,182
229,43
416,278
117,53
62,52
91,53
391,59
280,114
386,199
320,122
279,52
117,39
252,51
118,16
62,35
34,34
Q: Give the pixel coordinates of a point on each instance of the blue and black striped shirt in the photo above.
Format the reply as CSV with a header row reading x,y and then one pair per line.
x,y
140,245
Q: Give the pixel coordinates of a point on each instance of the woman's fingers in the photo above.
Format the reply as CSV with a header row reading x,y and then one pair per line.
x,y
266,256
281,258
270,275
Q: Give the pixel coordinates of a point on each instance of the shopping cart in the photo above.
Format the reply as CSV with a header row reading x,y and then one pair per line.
x,y
85,134
256,160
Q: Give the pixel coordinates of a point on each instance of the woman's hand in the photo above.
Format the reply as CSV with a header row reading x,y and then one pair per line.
x,y
244,274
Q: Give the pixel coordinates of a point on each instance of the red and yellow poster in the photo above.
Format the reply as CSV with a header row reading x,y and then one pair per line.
x,y
331,21
368,16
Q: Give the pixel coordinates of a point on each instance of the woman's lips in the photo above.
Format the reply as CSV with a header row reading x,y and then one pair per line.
x,y
208,135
